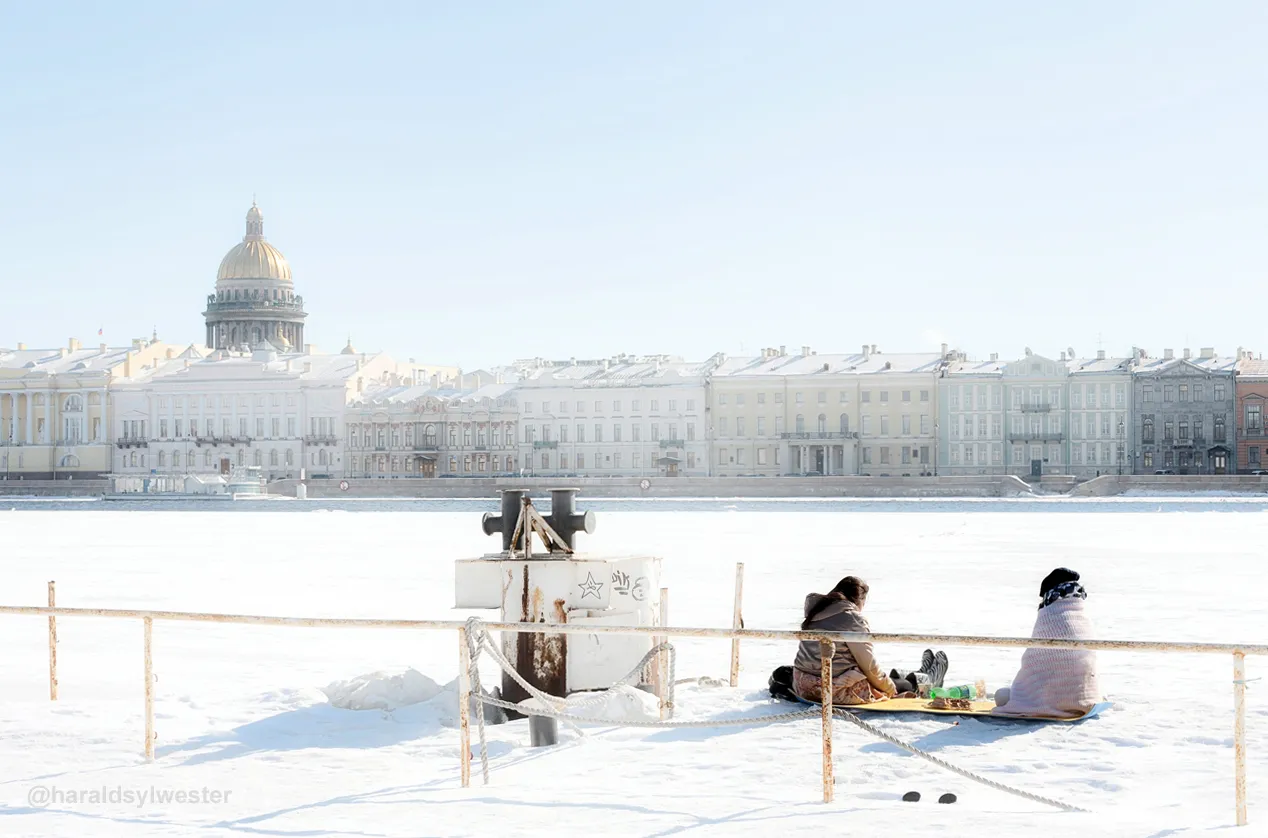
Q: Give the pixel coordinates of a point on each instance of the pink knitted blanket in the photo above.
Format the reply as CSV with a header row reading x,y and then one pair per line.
x,y
1059,683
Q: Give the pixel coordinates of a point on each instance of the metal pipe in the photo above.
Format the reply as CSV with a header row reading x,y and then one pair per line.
x,y
651,631
52,644
149,689
826,650
737,622
1239,734
662,662
464,708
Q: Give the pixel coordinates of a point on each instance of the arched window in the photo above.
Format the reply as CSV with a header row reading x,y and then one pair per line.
x,y
823,424
259,457
74,404
162,459
321,457
242,457
273,457
207,458
801,424
845,423
290,458
133,458
176,459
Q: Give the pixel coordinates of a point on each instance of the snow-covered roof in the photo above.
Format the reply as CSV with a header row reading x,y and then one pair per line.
x,y
855,364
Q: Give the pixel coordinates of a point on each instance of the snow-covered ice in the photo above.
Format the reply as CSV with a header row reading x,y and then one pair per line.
x,y
250,712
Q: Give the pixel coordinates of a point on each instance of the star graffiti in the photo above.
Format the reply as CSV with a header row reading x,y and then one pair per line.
x,y
590,587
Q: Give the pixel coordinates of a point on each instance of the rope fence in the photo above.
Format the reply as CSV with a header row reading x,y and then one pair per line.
x,y
474,641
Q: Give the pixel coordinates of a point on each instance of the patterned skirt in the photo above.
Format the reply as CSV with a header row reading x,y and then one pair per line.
x,y
852,690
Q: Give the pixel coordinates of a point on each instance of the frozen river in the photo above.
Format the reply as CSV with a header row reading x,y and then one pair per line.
x,y
240,709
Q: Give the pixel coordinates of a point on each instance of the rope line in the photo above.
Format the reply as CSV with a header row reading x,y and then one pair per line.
x,y
478,641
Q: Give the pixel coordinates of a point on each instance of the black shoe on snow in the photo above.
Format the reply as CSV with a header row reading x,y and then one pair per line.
x,y
940,667
947,798
912,797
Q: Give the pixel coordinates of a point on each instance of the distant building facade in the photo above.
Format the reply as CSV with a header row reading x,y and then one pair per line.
x,y
624,416
421,431
1252,407
1102,433
1185,413
971,410
1036,398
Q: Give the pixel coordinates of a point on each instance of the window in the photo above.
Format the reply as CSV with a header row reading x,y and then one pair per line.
x,y
691,430
1254,418
1168,459
1184,429
1184,392
290,458
273,457
581,407
800,400
739,428
823,397
1199,394
598,407
721,398
722,426
884,426
906,455
655,432
691,403
528,407
997,429
1149,459
884,398
290,427
865,427
885,456
867,456
616,460
844,423
1147,430
1147,394
634,405
616,432
1253,454
277,430
581,461
598,432
1219,428
739,456
655,406
563,433
1168,431
1197,428
242,427
997,455
636,432
761,399
907,425
691,459
761,456
616,406
823,424
867,397
581,432
1219,392
545,461
779,399
162,430
1168,393
721,456
761,426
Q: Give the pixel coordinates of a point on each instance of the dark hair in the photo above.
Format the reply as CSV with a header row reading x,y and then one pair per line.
x,y
850,588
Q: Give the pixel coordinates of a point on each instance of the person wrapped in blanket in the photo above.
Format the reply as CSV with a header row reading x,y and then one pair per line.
x,y
856,676
1056,683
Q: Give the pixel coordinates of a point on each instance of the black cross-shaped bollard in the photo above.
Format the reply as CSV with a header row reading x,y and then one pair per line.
x,y
564,518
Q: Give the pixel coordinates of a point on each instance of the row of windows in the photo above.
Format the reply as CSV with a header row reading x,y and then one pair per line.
x,y
211,459
210,402
264,428
843,397
1184,392
1190,428
534,433
636,405
426,436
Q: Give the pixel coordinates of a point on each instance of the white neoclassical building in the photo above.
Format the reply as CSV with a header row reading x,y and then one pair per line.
x,y
624,416
209,415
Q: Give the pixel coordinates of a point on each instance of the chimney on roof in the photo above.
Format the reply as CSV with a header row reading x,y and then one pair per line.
x,y
805,350
21,347
1100,354
1063,357
127,364
1168,355
75,345
171,353
873,349
994,357
102,349
1187,354
944,350
783,350
866,352
310,349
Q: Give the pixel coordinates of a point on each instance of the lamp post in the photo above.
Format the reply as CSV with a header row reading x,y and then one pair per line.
x,y
1120,448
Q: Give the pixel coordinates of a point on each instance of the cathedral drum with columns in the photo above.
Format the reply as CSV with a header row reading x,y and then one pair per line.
x,y
255,299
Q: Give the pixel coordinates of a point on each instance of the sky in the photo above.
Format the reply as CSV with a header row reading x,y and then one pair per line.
x,y
470,184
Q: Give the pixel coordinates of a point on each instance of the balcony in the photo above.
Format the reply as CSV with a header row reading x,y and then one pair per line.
x,y
321,439
1036,407
222,440
820,435
672,443
546,443
132,442
427,444
1034,437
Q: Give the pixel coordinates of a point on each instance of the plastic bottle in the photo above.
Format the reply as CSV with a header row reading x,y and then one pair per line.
x,y
961,691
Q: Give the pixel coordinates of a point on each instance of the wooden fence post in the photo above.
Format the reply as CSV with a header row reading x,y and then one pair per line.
x,y
52,644
826,650
737,622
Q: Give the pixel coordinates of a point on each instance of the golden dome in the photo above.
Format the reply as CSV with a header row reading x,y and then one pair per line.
x,y
254,258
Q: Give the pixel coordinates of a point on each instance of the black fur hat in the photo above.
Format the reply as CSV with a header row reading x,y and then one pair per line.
x,y
1058,576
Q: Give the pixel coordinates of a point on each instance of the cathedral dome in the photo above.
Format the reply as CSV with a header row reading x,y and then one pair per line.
x,y
254,258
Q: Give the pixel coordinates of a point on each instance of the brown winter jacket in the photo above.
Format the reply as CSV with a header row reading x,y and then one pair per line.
x,y
852,662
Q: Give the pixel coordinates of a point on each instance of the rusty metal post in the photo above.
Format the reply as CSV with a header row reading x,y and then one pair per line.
x,y
149,689
662,660
464,707
826,650
737,622
1239,733
52,644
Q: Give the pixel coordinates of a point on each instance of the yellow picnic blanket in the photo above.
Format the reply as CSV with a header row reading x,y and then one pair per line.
x,y
921,705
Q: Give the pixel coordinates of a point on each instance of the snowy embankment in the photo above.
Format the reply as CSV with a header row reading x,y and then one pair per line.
x,y
256,715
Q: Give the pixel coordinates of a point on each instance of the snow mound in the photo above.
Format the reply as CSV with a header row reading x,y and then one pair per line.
x,y
618,704
382,691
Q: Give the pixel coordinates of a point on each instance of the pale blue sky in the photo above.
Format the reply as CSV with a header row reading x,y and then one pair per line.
x,y
470,183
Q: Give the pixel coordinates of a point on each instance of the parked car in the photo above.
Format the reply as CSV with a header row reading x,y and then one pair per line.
x,y
1165,471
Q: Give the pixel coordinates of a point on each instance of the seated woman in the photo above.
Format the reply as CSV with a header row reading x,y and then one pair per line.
x,y
856,677
1058,683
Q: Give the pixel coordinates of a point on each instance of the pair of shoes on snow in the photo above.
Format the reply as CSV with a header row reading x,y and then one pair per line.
x,y
914,797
